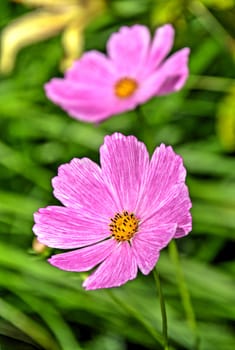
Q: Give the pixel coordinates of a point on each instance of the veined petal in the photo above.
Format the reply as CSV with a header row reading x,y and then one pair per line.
x,y
165,172
80,185
118,268
176,210
128,49
84,259
60,227
184,225
154,191
124,162
146,244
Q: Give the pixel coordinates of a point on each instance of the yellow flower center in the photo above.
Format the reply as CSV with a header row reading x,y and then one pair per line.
x,y
125,87
123,226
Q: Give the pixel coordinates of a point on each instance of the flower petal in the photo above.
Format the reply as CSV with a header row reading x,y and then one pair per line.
x,y
168,78
118,268
87,91
83,259
176,210
82,103
161,45
124,162
150,86
80,185
175,70
95,113
61,227
165,172
128,49
146,244
184,225
92,67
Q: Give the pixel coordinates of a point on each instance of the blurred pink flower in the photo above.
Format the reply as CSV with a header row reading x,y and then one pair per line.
x,y
136,69
119,215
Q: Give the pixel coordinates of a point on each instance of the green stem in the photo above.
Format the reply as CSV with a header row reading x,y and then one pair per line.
x,y
134,313
163,308
27,325
184,292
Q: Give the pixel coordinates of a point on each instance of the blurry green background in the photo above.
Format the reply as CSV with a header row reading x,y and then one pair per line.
x,y
44,308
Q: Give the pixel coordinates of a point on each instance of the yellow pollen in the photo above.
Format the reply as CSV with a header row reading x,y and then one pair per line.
x,y
125,87
123,226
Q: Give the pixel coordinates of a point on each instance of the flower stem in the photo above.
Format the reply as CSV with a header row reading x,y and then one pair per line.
x,y
134,313
163,308
184,292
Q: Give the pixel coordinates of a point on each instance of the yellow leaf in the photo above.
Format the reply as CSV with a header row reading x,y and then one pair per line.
x,y
53,17
226,121
46,3
72,41
29,29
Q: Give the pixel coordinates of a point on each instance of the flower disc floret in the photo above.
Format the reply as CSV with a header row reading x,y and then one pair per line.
x,y
117,216
123,226
125,87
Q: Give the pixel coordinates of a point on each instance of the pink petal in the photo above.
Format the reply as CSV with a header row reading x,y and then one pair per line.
x,y
92,113
168,78
87,91
61,227
124,163
92,67
91,102
176,210
83,259
67,93
150,86
86,114
184,225
146,244
175,70
165,172
128,49
80,185
161,45
117,269
81,102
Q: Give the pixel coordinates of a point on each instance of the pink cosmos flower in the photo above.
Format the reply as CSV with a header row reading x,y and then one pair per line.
x,y
117,216
135,70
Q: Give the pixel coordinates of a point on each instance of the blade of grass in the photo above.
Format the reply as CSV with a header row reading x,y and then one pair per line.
x,y
30,327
